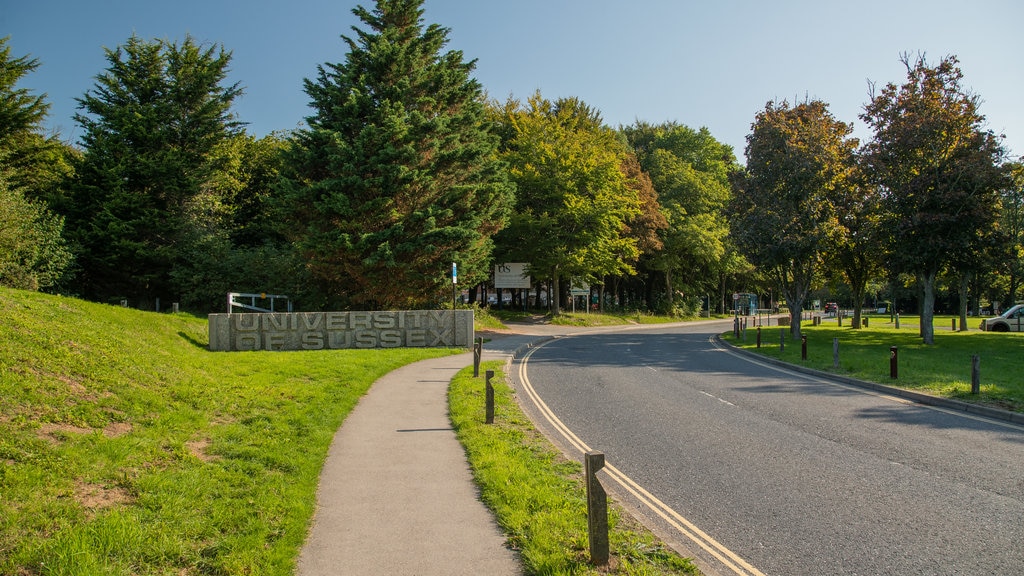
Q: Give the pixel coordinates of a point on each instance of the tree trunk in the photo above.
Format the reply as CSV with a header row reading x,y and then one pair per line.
x,y
556,291
928,308
965,279
858,304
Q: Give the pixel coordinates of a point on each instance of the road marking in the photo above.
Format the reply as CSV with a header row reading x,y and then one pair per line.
x,y
716,398
728,558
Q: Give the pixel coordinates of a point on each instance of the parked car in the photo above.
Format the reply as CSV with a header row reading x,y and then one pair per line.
x,y
831,308
1010,321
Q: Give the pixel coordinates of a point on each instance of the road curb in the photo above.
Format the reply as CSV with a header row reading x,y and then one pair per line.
x,y
918,397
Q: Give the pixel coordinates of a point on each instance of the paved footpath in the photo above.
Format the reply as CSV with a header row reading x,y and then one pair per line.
x,y
396,493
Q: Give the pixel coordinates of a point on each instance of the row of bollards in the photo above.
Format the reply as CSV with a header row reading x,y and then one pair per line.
x,y
893,357
597,498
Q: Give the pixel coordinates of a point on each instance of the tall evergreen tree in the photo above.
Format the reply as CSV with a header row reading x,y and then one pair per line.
x,y
397,174
33,253
151,126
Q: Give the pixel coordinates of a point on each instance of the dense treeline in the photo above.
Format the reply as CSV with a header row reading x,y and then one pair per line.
x,y
405,166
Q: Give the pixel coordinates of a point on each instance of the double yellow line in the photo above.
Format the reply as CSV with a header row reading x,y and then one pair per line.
x,y
726,557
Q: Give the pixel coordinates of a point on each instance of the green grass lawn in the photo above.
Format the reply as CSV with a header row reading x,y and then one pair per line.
x,y
537,495
943,369
128,448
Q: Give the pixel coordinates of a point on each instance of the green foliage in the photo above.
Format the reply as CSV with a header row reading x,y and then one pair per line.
x,y
152,124
397,175
33,254
798,158
573,204
538,495
690,170
128,448
939,171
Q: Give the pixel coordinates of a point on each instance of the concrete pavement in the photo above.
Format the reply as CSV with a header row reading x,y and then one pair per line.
x,y
396,493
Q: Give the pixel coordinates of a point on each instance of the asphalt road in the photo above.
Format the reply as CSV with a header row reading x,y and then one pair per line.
x,y
756,470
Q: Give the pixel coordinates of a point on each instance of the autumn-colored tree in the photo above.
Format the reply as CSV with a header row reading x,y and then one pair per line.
x,y
938,169
856,252
798,157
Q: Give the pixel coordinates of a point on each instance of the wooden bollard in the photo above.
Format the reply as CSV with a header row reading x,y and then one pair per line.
x,y
975,374
893,362
803,347
758,336
597,509
490,398
478,352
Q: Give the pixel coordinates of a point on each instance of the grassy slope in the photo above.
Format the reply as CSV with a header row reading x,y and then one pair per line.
x,y
127,448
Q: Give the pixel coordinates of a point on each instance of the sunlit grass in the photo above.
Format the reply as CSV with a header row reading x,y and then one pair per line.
x,y
128,448
943,369
537,495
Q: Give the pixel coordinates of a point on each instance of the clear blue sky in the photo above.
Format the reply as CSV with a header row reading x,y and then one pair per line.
x,y
711,63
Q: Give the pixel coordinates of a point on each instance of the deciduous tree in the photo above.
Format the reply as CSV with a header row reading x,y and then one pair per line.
x,y
573,204
798,157
690,171
938,169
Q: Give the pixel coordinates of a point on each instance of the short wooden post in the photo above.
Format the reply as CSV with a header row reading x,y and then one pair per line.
x,y
975,374
490,398
478,351
782,340
174,308
835,353
803,347
597,509
954,324
897,321
893,362
758,336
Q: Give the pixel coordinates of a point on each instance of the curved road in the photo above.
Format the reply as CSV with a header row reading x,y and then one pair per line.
x,y
756,470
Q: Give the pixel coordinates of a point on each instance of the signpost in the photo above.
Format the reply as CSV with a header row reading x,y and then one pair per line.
x,y
579,289
455,281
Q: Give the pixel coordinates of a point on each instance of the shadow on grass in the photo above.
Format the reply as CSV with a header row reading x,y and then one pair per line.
x,y
191,340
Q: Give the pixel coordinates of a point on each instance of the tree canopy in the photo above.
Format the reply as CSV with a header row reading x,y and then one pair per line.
x,y
151,125
397,175
33,252
574,204
798,158
938,169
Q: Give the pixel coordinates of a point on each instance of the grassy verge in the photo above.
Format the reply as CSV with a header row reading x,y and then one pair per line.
x,y
943,369
613,318
537,495
127,448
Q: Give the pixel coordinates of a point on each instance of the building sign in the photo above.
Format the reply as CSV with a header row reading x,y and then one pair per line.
x,y
511,275
340,330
